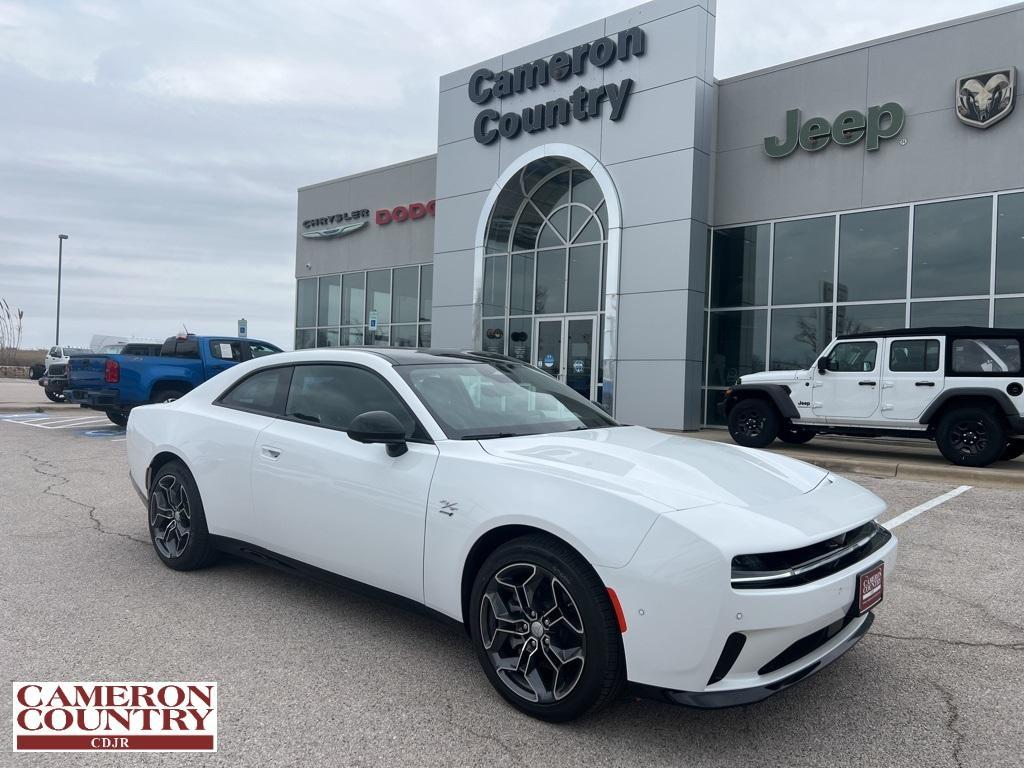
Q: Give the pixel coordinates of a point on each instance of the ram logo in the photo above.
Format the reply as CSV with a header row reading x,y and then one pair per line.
x,y
986,98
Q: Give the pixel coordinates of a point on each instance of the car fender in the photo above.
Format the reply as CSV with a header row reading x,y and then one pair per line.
x,y
990,393
473,493
777,393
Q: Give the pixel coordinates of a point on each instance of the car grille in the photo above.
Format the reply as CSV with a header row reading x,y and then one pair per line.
x,y
807,564
58,369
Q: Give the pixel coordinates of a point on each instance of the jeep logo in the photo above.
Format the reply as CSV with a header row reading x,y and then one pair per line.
x,y
881,122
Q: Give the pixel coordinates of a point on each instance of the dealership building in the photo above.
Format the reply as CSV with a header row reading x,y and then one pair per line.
x,y
602,207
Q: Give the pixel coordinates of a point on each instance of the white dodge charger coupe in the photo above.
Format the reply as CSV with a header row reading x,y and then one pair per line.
x,y
579,554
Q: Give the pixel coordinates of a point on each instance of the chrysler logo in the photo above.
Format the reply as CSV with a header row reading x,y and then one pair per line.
x,y
986,98
344,229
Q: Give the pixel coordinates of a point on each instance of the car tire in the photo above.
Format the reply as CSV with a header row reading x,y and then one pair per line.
x,y
971,437
754,423
177,521
795,435
167,396
575,664
118,415
1012,450
54,397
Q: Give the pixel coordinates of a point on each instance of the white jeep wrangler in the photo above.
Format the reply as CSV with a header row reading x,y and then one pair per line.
x,y
961,387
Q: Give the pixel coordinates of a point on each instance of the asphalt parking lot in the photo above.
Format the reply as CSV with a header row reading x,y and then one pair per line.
x,y
314,676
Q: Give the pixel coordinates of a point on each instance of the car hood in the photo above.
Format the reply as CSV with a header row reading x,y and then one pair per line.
x,y
769,377
678,472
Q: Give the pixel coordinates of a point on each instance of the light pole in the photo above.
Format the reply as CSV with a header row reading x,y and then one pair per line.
x,y
60,262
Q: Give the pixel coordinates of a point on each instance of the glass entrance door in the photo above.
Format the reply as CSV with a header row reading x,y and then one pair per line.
x,y
566,349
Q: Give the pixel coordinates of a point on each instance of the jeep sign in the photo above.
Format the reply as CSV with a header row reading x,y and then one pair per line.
x,y
881,122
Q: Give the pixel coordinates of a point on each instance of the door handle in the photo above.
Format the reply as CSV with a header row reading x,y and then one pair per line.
x,y
924,383
271,453
868,383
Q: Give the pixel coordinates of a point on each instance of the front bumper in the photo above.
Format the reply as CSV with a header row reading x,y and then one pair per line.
x,y
739,696
54,384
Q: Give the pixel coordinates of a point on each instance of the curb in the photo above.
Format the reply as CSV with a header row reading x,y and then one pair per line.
x,y
38,407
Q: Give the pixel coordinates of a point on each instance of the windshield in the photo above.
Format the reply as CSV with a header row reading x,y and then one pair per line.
x,y
484,400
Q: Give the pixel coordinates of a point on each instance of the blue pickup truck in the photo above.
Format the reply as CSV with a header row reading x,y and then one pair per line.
x,y
117,383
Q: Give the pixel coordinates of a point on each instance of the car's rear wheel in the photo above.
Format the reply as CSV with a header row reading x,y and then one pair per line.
x,y
166,395
118,415
795,435
177,522
754,423
971,437
545,631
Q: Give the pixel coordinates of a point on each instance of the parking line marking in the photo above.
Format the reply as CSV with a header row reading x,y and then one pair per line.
x,y
910,514
71,423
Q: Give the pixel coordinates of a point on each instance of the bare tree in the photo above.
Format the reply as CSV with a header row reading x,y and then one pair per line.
x,y
10,332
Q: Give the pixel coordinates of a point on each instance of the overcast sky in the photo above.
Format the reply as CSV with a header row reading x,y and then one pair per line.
x,y
168,138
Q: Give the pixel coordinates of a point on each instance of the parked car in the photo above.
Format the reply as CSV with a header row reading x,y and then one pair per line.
x,y
117,383
54,375
961,387
577,553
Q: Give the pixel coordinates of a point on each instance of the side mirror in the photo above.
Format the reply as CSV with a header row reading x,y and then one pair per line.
x,y
379,427
822,365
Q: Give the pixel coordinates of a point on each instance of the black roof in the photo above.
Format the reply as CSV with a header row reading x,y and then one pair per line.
x,y
961,331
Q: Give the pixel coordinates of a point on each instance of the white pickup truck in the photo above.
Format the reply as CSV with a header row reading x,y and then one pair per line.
x,y
961,387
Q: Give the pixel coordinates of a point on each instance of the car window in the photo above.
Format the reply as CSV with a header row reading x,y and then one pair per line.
x,y
258,349
986,356
914,355
333,395
226,350
851,356
262,392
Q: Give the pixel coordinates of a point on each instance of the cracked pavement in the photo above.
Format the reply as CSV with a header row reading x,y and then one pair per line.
x,y
310,675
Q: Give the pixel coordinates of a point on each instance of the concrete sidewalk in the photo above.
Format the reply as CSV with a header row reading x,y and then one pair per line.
x,y
26,395
886,457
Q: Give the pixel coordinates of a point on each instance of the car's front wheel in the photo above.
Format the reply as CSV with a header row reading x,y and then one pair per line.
x,y
545,631
54,397
971,437
177,522
754,423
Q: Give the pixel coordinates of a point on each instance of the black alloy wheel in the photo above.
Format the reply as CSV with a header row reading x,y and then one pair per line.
x,y
754,423
177,522
54,397
118,416
544,630
971,437
167,396
1013,449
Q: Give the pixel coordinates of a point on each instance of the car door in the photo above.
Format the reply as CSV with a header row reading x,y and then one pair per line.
x,y
847,390
327,500
913,376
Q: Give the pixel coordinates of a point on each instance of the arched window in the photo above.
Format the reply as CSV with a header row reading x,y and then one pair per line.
x,y
544,261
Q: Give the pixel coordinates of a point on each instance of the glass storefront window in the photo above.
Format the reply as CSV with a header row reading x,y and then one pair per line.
x,y
352,337
426,292
550,295
1009,313
328,337
798,335
425,335
492,336
1010,244
736,346
495,272
521,294
584,278
739,273
329,312
403,335
352,292
378,295
520,338
924,314
405,293
866,318
804,257
378,338
952,248
305,310
305,338
873,255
